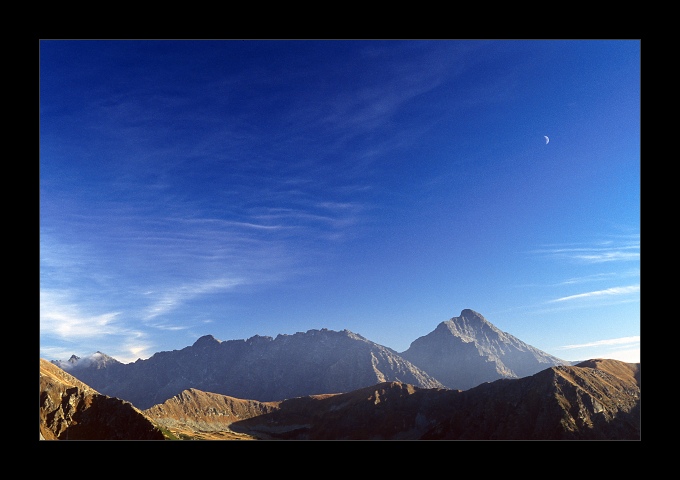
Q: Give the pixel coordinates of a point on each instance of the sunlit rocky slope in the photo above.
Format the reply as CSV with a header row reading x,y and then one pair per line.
x,y
72,410
468,350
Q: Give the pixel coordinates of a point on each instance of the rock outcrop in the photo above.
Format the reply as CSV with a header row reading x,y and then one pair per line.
x,y
468,350
72,410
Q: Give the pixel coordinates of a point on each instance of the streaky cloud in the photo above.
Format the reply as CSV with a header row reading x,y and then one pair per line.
x,y
608,256
600,293
608,342
599,252
66,320
174,297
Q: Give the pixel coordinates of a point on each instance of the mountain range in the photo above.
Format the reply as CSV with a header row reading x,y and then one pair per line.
x,y
594,400
465,380
458,354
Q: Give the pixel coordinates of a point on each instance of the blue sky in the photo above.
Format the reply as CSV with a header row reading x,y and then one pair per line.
x,y
239,188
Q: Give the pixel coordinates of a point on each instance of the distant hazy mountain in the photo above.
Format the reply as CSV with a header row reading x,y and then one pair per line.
x,y
466,351
72,410
595,400
259,368
459,353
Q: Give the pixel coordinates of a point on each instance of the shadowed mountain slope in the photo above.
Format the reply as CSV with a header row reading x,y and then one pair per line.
x,y
595,400
260,368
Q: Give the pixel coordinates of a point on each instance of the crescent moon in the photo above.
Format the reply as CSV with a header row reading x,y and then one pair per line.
x,y
547,140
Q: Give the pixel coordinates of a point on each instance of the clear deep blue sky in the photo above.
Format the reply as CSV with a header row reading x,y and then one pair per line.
x,y
241,188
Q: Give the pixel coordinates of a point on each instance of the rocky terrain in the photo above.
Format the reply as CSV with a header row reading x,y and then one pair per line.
x,y
71,410
595,400
466,380
468,350
460,353
203,415
260,368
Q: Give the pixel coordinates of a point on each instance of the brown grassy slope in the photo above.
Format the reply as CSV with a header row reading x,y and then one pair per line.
x,y
627,372
597,399
205,415
50,373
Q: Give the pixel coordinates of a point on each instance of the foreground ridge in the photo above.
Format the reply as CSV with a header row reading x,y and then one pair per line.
x,y
598,399
71,410
559,403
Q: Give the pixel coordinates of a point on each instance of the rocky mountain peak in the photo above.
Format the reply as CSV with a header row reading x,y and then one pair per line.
x,y
471,315
468,350
96,360
259,340
206,341
468,326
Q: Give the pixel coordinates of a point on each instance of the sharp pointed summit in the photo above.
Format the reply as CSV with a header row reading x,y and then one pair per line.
x,y
468,350
206,341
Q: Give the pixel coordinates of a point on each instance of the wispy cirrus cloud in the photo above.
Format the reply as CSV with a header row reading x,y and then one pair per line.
x,y
177,296
64,318
598,277
609,342
625,349
598,262
627,249
607,292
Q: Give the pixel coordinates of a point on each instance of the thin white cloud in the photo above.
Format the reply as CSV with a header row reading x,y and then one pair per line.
x,y
232,223
177,296
64,319
599,276
608,342
616,250
307,218
625,349
587,278
577,280
600,293
135,351
608,256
